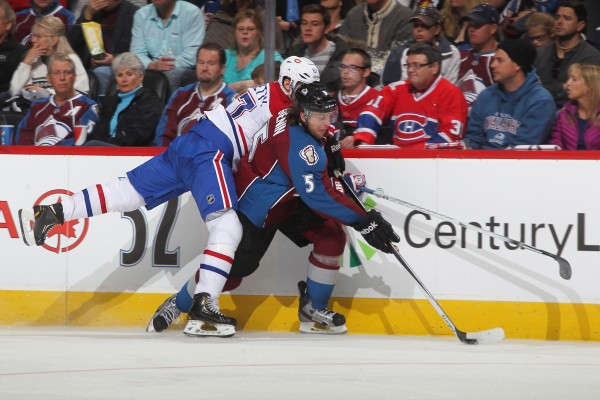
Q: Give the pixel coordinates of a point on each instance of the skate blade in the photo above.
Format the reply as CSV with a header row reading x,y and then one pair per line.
x,y
316,328
26,219
201,328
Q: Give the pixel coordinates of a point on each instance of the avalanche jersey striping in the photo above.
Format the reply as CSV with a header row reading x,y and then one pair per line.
x,y
185,107
48,124
287,166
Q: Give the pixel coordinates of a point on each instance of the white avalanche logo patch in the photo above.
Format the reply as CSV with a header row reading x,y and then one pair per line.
x,y
309,154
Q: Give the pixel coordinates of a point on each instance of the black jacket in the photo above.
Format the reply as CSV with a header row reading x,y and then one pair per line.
x,y
136,123
119,41
11,54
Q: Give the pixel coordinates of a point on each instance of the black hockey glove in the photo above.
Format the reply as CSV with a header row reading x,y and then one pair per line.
x,y
335,159
377,231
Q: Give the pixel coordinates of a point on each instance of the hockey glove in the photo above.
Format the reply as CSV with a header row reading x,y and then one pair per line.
x,y
377,231
335,158
355,182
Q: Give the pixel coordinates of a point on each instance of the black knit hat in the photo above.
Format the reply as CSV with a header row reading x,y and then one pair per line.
x,y
520,51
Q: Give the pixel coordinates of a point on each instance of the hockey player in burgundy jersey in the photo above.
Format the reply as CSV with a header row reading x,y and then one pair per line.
x,y
188,104
425,108
51,121
201,162
287,176
284,185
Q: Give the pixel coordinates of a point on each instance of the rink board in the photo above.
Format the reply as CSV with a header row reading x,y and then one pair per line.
x,y
115,269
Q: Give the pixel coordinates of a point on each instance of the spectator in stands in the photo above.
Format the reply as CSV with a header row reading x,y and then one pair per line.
x,y
454,24
40,8
53,120
325,51
516,110
258,75
426,27
128,117
540,28
187,105
30,80
474,74
116,18
355,93
518,12
248,52
382,24
425,108
334,8
578,124
166,35
220,30
569,47
11,51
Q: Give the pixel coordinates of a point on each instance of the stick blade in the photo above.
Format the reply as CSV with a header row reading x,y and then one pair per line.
x,y
482,337
564,268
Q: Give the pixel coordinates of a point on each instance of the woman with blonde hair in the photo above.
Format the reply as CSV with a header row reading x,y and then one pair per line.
x,y
248,52
30,78
452,12
578,124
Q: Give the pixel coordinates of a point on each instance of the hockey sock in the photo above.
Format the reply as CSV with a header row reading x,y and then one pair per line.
x,y
322,275
99,199
215,265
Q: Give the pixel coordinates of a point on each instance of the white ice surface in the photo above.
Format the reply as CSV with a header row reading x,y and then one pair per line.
x,y
83,363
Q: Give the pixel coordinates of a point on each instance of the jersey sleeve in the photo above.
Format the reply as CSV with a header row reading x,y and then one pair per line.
x,y
375,114
251,111
307,168
452,117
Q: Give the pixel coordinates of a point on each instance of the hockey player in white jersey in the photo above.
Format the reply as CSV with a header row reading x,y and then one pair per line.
x,y
202,162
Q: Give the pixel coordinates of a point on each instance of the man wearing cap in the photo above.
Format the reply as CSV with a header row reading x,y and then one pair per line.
x,y
516,110
426,26
569,47
474,74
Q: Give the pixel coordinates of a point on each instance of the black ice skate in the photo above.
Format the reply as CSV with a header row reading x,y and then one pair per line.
x,y
164,316
205,319
315,320
36,223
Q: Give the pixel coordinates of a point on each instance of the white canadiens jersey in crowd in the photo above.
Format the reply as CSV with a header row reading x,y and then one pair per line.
x,y
248,115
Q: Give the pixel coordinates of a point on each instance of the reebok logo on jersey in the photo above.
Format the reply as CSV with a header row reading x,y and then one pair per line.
x,y
372,226
309,154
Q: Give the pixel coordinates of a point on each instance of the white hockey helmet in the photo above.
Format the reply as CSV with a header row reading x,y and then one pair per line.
x,y
297,69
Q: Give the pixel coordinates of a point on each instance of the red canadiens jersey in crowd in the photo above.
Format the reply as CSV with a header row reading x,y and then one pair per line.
x,y
47,124
289,165
350,108
437,115
474,74
185,107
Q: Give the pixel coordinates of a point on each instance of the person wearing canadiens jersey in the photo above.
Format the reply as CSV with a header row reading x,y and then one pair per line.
x,y
423,109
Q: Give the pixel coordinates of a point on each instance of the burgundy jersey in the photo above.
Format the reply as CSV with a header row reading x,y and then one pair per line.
x,y
48,124
185,107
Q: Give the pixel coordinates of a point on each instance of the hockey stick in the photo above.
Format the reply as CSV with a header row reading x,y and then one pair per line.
x,y
482,337
564,268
